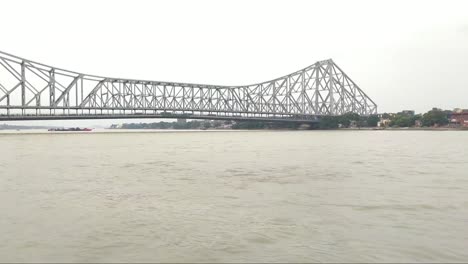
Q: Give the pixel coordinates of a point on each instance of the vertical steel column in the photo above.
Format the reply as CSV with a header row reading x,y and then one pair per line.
x,y
303,92
317,87
330,91
76,91
82,98
51,87
342,95
23,85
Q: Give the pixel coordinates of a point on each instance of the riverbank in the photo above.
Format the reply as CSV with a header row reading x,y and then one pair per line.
x,y
148,130
406,128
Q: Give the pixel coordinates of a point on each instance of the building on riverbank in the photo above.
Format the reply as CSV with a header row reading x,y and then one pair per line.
x,y
459,117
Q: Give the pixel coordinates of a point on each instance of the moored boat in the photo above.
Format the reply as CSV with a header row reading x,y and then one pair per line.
x,y
70,129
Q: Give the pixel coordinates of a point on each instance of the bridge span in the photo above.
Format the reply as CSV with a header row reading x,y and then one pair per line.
x,y
34,91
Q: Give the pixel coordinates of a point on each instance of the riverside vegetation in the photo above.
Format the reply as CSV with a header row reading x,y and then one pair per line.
x,y
434,117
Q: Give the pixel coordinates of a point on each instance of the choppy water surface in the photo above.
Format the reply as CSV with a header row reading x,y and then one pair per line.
x,y
302,196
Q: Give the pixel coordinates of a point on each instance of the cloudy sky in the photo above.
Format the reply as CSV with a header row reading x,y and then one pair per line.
x,y
403,54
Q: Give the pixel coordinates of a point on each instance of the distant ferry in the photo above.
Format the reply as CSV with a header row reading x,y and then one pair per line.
x,y
70,129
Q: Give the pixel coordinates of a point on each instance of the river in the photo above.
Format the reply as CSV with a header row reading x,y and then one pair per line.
x,y
234,196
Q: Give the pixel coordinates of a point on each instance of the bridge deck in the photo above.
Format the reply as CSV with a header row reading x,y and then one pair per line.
x,y
143,116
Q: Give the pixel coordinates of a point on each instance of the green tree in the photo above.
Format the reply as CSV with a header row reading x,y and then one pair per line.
x,y
345,120
386,116
217,123
401,120
250,125
329,122
415,118
372,120
435,117
206,124
194,124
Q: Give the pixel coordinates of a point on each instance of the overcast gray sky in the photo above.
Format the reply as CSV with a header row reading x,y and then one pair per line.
x,y
403,54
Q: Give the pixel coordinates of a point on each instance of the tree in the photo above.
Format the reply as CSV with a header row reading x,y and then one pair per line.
x,y
250,125
194,124
373,120
386,116
329,122
402,121
346,119
217,123
206,124
415,118
435,117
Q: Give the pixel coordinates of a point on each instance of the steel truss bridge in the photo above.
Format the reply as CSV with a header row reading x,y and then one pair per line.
x,y
35,91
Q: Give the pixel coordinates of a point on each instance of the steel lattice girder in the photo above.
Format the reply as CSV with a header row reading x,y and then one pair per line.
x,y
320,89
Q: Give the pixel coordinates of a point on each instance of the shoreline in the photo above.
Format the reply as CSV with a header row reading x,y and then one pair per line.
x,y
143,130
406,129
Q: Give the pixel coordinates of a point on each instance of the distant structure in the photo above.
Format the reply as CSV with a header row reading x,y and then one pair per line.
x,y
34,91
408,112
459,117
384,122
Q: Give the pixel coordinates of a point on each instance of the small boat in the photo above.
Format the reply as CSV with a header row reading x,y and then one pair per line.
x,y
70,129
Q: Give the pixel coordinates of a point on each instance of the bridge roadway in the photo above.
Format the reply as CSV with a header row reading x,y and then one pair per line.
x,y
35,91
144,116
